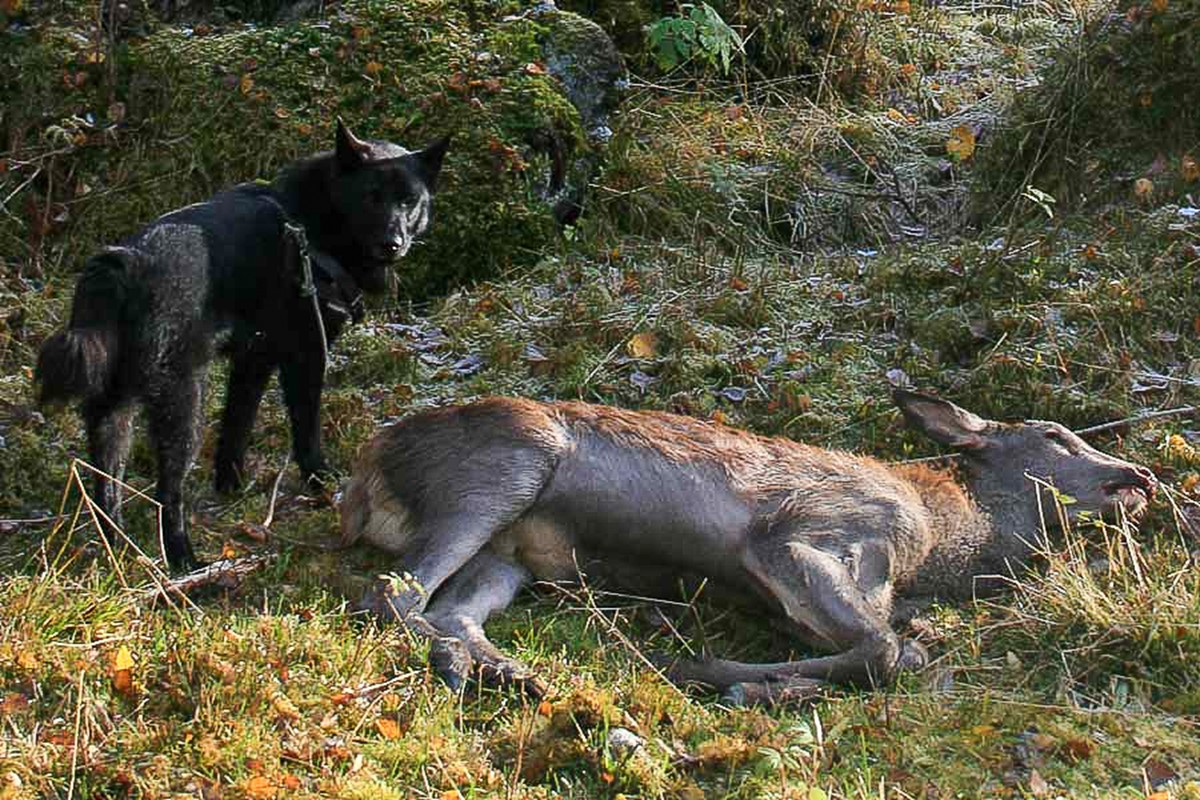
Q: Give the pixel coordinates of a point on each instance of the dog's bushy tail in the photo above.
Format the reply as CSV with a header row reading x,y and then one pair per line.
x,y
81,360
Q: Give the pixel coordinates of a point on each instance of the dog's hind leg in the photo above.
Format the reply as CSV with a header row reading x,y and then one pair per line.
x,y
174,413
110,430
487,584
248,376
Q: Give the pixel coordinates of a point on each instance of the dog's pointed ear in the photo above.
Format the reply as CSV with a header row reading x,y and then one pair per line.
x,y
351,152
943,421
430,161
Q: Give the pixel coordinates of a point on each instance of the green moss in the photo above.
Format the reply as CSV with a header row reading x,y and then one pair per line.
x,y
1119,103
201,112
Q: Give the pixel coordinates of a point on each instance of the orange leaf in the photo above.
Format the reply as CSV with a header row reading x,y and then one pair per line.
x,y
1075,750
260,788
545,709
291,782
387,728
1189,169
961,144
643,345
246,84
1143,189
13,702
374,68
534,68
122,681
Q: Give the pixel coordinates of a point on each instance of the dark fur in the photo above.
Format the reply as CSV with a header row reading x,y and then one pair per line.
x,y
146,313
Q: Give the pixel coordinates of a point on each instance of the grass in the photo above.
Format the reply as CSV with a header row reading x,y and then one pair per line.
x,y
685,289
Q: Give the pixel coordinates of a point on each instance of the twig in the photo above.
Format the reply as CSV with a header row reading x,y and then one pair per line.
x,y
274,495
227,572
1169,412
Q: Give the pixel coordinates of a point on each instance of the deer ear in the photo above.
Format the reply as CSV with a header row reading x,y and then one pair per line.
x,y
351,152
943,421
430,161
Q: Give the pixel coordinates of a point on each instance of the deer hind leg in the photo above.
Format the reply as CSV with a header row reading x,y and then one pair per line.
x,y
487,584
820,597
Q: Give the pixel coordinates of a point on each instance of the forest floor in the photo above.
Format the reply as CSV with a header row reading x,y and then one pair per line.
x,y
694,284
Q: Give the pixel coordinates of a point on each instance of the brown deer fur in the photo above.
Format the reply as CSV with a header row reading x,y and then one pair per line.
x,y
478,500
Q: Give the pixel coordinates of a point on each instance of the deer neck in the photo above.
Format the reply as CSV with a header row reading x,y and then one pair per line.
x,y
975,531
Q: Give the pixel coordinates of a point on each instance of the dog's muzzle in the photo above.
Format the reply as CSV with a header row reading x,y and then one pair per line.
x,y
387,252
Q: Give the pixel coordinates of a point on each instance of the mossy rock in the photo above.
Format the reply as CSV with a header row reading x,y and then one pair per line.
x,y
168,119
789,39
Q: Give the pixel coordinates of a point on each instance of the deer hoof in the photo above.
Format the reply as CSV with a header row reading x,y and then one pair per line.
x,y
913,656
450,661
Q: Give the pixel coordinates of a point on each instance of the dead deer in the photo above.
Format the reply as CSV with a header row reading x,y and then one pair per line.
x,y
478,500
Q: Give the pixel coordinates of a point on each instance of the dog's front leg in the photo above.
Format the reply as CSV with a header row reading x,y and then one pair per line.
x,y
302,375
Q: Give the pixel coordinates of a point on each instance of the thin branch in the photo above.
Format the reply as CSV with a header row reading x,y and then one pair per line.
x,y
1120,423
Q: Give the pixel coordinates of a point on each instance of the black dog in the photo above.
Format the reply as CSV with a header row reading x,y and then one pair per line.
x,y
278,266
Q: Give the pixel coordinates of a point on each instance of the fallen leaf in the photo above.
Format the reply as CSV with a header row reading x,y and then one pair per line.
x,y
26,660
545,709
1076,750
387,728
13,702
1037,784
258,787
961,144
534,68
1189,169
291,782
246,84
122,671
1143,189
373,68
1158,772
642,345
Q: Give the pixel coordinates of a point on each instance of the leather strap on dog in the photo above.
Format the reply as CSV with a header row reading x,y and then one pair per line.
x,y
339,293
297,240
